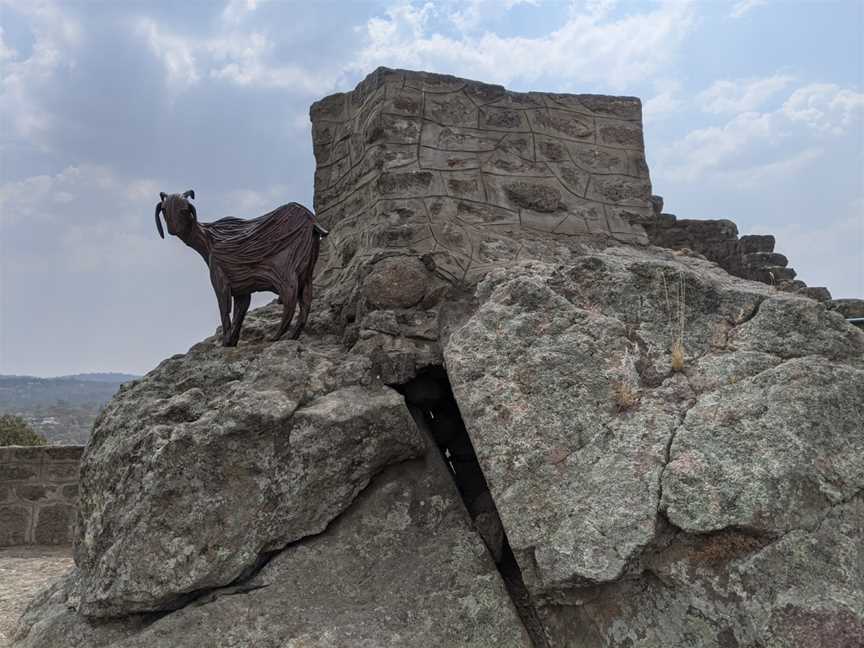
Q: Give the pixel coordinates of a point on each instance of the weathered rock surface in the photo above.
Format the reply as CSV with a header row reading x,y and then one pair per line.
x,y
402,567
601,458
671,456
266,444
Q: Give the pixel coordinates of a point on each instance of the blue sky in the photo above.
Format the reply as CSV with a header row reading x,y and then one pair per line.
x,y
753,112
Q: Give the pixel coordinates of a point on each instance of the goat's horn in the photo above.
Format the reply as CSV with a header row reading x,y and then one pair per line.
x,y
158,222
163,195
189,194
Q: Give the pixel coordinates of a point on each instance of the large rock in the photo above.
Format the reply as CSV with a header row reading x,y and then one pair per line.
x,y
402,567
602,459
797,590
219,456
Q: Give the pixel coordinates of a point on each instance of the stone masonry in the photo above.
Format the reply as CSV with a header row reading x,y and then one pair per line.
x,y
465,174
749,257
38,494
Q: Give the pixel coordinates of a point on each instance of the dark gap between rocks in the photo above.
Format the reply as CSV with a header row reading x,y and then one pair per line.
x,y
433,406
239,585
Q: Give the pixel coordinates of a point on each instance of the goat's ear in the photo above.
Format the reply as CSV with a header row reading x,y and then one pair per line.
x,y
158,222
194,211
163,195
189,194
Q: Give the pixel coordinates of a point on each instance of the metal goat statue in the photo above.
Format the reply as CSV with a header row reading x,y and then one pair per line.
x,y
275,252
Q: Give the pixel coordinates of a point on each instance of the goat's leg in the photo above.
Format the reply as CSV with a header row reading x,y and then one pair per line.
x,y
288,295
223,297
241,305
305,306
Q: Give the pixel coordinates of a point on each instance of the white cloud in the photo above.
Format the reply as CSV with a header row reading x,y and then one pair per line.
x,y
470,14
667,101
175,52
244,63
741,95
89,219
589,47
56,37
715,148
745,6
242,58
6,53
237,10
726,151
35,199
825,107
660,104
760,175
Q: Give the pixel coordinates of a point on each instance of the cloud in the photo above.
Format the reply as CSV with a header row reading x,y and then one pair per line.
x,y
248,203
56,37
237,10
175,52
470,14
718,147
825,107
727,151
666,102
6,53
745,6
35,199
590,47
244,58
746,177
741,95
85,218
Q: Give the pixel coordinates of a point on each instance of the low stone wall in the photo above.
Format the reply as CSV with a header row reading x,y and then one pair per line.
x,y
38,494
749,257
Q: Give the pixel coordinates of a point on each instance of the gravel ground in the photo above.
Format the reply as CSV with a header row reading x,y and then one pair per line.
x,y
23,572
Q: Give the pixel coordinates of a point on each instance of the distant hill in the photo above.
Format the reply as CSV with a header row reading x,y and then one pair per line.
x,y
60,409
110,377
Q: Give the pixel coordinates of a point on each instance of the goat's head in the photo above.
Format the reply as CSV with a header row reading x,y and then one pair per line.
x,y
179,213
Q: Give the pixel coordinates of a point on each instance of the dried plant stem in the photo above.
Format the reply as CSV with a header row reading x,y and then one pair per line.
x,y
678,344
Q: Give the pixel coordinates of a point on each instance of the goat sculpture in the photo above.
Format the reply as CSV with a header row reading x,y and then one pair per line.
x,y
275,252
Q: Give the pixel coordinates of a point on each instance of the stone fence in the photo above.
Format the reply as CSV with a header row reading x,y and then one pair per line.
x,y
38,494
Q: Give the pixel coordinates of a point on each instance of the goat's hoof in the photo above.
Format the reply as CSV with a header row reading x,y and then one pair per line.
x,y
229,343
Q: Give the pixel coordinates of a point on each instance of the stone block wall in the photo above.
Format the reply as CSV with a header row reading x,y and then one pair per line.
x,y
38,494
467,174
749,257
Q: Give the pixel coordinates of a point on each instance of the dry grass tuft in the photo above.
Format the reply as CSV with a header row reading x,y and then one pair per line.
x,y
677,331
678,356
625,396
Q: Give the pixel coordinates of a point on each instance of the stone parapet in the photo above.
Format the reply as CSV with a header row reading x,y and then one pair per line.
x,y
38,494
470,173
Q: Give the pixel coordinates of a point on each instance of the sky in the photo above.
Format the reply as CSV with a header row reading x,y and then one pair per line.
x,y
753,111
